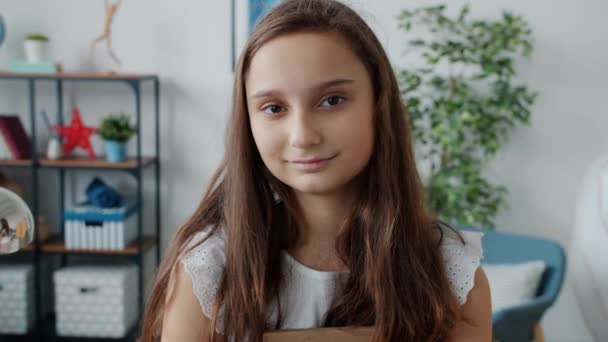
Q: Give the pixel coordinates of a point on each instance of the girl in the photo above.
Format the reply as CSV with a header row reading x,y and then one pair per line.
x,y
315,217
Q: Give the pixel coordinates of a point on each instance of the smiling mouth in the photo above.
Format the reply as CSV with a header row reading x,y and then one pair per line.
x,y
312,165
311,161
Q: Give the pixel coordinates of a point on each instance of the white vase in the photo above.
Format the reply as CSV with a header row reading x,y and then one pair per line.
x,y
53,149
35,50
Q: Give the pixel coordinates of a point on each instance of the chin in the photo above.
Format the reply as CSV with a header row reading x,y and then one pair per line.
x,y
314,190
322,186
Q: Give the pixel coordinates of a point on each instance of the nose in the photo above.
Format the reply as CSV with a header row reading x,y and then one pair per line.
x,y
303,130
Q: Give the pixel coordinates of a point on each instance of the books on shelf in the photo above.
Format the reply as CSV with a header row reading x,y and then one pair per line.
x,y
14,141
42,67
4,151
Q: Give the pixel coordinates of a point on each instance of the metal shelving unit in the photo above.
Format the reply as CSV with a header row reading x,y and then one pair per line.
x,y
44,329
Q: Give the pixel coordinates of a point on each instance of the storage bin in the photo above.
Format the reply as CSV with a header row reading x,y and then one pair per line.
x,y
17,313
96,301
88,227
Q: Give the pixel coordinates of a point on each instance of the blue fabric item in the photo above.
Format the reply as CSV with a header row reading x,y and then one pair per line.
x,y
517,323
91,213
101,195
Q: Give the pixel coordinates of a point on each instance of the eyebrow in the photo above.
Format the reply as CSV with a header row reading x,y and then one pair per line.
x,y
322,85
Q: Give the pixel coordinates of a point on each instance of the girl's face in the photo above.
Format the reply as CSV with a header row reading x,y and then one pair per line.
x,y
311,109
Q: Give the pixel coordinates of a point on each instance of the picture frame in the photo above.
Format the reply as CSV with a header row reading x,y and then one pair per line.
x,y
244,15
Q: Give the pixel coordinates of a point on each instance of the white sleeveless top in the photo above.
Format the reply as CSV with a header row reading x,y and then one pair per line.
x,y
309,292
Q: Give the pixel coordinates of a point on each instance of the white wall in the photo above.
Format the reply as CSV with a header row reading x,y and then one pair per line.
x,y
544,164
188,44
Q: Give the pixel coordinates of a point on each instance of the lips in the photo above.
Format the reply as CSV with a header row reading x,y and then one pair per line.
x,y
311,160
311,165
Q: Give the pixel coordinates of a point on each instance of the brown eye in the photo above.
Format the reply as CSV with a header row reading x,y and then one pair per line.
x,y
332,101
272,109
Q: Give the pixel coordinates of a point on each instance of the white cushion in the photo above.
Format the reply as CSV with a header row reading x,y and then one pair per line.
x,y
513,284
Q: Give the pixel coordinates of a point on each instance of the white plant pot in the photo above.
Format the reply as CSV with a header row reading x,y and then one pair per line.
x,y
53,149
35,50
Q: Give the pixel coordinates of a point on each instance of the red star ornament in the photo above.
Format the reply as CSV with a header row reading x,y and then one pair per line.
x,y
76,135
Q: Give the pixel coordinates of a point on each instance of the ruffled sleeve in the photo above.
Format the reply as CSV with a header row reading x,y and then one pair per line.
x,y
205,264
462,260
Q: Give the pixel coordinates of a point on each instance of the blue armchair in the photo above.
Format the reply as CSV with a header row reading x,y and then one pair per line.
x,y
517,323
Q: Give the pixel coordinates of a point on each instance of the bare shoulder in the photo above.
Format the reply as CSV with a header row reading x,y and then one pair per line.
x,y
476,313
183,318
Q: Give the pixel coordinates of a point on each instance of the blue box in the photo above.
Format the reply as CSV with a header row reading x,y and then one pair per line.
x,y
25,67
89,227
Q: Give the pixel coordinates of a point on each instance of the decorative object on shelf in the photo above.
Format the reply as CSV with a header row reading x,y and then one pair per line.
x,y
116,131
11,185
102,221
17,298
41,224
91,227
96,301
14,141
53,146
106,35
76,134
101,195
42,67
16,222
42,229
35,47
5,153
463,102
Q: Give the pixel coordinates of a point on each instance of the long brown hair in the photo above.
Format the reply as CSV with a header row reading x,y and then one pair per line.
x,y
389,243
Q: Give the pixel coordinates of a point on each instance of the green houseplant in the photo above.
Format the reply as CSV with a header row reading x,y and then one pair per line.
x,y
116,130
35,47
463,101
37,36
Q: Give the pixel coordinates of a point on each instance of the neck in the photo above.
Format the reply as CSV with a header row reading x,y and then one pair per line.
x,y
323,216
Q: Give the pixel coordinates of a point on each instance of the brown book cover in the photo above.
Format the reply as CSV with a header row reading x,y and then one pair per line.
x,y
17,141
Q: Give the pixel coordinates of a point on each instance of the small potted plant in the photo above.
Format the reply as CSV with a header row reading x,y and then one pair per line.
x,y
35,47
116,131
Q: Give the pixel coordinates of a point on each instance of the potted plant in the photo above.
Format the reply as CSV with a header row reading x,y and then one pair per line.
x,y
463,103
116,131
35,47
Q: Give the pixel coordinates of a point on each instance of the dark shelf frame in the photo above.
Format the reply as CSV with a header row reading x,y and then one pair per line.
x,y
134,166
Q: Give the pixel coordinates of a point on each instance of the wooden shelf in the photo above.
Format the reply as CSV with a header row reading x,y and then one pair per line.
x,y
79,76
56,244
99,162
15,162
44,330
80,162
